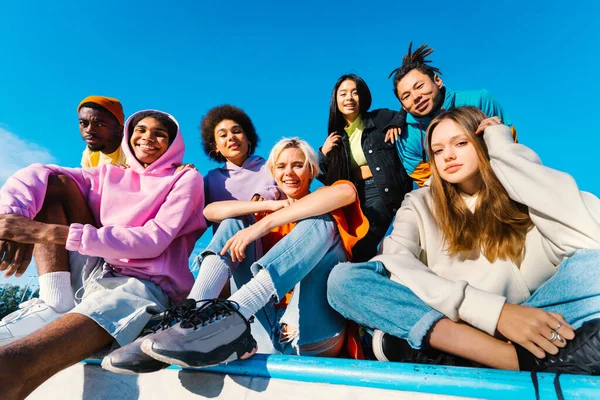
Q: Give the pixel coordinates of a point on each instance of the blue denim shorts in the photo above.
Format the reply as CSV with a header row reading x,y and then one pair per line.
x,y
115,302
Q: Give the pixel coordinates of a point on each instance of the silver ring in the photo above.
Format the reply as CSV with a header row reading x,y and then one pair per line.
x,y
558,326
556,336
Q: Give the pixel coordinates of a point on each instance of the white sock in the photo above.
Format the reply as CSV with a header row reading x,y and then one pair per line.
x,y
212,278
55,290
255,294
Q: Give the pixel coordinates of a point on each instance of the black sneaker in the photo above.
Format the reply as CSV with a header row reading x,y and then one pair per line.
x,y
130,359
215,333
580,356
390,348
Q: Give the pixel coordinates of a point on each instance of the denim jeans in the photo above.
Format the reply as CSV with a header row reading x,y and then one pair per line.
x,y
364,293
302,261
374,208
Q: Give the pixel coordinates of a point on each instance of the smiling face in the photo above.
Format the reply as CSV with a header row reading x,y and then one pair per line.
x,y
292,173
149,140
455,157
231,141
100,130
418,93
347,100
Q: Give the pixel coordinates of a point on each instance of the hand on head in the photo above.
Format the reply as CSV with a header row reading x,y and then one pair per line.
x,y
487,122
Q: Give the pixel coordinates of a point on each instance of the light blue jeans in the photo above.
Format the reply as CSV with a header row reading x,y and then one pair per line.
x,y
364,293
302,261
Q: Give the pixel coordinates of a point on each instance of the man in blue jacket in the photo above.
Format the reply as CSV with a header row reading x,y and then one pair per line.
x,y
421,92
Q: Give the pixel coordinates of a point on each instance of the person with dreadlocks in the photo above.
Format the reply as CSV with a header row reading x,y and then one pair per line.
x,y
421,92
496,261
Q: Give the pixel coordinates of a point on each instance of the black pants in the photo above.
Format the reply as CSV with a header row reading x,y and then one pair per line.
x,y
374,208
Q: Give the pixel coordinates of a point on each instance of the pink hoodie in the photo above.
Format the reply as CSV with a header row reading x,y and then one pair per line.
x,y
150,218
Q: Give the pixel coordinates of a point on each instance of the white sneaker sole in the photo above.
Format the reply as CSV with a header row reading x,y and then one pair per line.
x,y
377,344
107,365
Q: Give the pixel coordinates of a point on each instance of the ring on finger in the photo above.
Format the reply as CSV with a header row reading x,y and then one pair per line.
x,y
558,326
555,336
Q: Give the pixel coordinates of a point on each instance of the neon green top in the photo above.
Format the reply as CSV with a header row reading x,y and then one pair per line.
x,y
354,131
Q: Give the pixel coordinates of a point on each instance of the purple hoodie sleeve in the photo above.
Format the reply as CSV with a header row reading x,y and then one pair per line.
x,y
270,193
23,193
184,203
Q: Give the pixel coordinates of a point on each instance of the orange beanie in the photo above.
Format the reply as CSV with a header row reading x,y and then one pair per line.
x,y
111,104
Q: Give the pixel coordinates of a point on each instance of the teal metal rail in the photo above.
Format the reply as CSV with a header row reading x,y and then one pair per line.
x,y
456,381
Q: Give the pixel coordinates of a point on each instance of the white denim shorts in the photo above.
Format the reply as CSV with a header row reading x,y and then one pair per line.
x,y
115,302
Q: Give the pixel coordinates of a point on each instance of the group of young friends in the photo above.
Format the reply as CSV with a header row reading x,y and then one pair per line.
x,y
493,261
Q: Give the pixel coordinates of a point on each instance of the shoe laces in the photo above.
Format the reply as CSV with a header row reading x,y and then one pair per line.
x,y
173,315
23,309
209,312
564,368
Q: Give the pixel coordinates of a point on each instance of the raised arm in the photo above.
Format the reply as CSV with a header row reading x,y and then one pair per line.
x,y
219,210
567,218
322,201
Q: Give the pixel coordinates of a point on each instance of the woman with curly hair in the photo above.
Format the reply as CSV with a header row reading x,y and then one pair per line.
x,y
229,137
358,149
497,262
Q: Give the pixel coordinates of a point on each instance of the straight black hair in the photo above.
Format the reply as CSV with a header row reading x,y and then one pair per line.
x,y
337,160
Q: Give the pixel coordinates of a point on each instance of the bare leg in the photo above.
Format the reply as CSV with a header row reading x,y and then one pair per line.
x,y
29,362
333,346
465,341
63,205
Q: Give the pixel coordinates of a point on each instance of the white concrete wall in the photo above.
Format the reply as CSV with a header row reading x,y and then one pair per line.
x,y
91,382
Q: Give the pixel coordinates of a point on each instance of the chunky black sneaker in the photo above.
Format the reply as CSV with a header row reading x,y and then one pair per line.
x,y
215,333
580,356
130,359
390,348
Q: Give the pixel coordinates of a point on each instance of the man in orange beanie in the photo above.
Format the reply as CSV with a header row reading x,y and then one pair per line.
x,y
101,126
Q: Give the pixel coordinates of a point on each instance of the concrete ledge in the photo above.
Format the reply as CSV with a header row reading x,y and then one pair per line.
x,y
91,382
270,376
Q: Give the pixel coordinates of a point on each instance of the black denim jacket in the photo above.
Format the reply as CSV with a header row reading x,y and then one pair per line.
x,y
388,172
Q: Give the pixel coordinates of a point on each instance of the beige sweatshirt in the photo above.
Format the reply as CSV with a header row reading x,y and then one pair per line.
x,y
474,290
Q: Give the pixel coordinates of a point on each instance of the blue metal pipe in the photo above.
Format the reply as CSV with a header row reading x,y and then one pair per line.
x,y
455,381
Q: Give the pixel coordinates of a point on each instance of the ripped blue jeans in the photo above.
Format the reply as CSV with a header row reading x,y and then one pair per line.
x,y
302,261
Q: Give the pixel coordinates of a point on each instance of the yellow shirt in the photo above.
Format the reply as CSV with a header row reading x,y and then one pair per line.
x,y
354,131
97,158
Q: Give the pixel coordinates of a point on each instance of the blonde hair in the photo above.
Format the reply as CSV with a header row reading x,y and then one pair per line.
x,y
296,143
498,226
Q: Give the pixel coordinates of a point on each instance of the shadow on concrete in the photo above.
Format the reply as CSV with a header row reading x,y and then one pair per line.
x,y
99,384
256,384
205,384
211,385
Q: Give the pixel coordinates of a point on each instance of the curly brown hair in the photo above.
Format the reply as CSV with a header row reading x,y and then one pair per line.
x,y
213,117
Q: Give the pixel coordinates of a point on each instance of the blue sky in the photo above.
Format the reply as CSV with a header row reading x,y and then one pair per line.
x,y
279,62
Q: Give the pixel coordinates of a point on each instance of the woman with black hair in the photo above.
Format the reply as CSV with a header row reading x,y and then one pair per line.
x,y
359,150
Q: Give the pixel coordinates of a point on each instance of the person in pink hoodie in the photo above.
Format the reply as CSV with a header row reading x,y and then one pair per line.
x,y
121,238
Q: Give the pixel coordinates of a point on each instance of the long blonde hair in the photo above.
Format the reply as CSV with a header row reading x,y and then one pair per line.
x,y
498,226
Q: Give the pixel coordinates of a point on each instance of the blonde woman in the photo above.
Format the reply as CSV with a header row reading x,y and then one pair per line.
x,y
303,238
496,262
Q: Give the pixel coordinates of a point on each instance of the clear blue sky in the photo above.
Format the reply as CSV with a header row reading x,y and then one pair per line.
x,y
279,63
